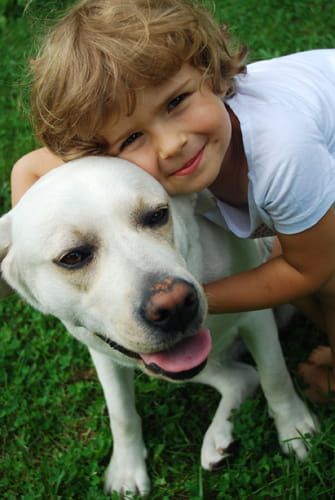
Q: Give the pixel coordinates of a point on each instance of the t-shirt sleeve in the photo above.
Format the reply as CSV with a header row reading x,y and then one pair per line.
x,y
293,172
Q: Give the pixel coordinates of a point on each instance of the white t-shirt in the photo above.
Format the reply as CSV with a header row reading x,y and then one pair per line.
x,y
286,109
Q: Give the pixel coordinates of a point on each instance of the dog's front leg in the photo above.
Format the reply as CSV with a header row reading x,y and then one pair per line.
x,y
234,381
126,471
292,417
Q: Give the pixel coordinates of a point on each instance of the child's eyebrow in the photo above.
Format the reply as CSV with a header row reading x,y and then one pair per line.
x,y
170,95
173,93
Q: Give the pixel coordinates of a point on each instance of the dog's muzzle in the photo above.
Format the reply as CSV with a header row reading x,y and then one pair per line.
x,y
171,309
170,305
191,353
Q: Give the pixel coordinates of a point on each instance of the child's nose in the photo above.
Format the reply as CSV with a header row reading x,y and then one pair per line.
x,y
171,142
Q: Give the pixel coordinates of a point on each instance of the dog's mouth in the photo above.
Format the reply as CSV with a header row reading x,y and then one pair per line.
x,y
182,361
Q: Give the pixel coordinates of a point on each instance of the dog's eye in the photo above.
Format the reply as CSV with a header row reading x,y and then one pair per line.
x,y
76,257
157,217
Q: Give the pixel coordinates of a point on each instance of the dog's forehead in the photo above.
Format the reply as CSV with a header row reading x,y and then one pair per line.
x,y
82,194
89,185
81,177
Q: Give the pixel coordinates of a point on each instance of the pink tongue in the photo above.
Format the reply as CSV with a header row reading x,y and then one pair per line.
x,y
185,355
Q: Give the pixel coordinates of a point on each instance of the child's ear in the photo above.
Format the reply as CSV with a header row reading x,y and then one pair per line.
x,y
5,242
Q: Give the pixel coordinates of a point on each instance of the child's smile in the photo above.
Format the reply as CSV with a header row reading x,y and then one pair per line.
x,y
179,132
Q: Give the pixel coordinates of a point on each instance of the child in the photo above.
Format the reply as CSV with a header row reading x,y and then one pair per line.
x,y
160,84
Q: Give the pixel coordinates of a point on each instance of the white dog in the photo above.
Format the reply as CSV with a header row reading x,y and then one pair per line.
x,y
100,245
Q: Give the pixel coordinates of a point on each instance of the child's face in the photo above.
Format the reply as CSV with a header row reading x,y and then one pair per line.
x,y
179,133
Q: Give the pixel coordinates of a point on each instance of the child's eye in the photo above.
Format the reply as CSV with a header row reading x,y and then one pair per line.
x,y
176,101
130,140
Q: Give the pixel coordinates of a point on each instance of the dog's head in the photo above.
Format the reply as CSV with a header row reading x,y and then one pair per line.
x,y
99,244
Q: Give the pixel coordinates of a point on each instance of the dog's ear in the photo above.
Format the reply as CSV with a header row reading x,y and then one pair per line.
x,y
186,231
205,202
5,242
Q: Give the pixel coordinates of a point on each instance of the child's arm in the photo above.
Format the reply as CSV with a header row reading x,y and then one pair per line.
x,y
29,169
307,265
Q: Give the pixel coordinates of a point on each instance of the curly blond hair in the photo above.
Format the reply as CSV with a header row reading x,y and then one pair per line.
x,y
102,52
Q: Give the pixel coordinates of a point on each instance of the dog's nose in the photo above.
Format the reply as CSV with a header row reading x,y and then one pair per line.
x,y
170,305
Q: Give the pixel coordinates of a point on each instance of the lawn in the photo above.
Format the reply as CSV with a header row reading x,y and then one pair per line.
x,y
54,439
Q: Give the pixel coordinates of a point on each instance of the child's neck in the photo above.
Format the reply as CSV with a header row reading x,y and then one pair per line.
x,y
231,185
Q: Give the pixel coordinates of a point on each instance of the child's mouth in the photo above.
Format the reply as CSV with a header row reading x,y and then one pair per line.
x,y
190,166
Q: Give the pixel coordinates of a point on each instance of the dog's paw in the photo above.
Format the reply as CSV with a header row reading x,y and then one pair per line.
x,y
127,478
219,459
217,446
295,429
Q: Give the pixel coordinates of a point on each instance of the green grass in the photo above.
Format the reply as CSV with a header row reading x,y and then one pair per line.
x,y
54,439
